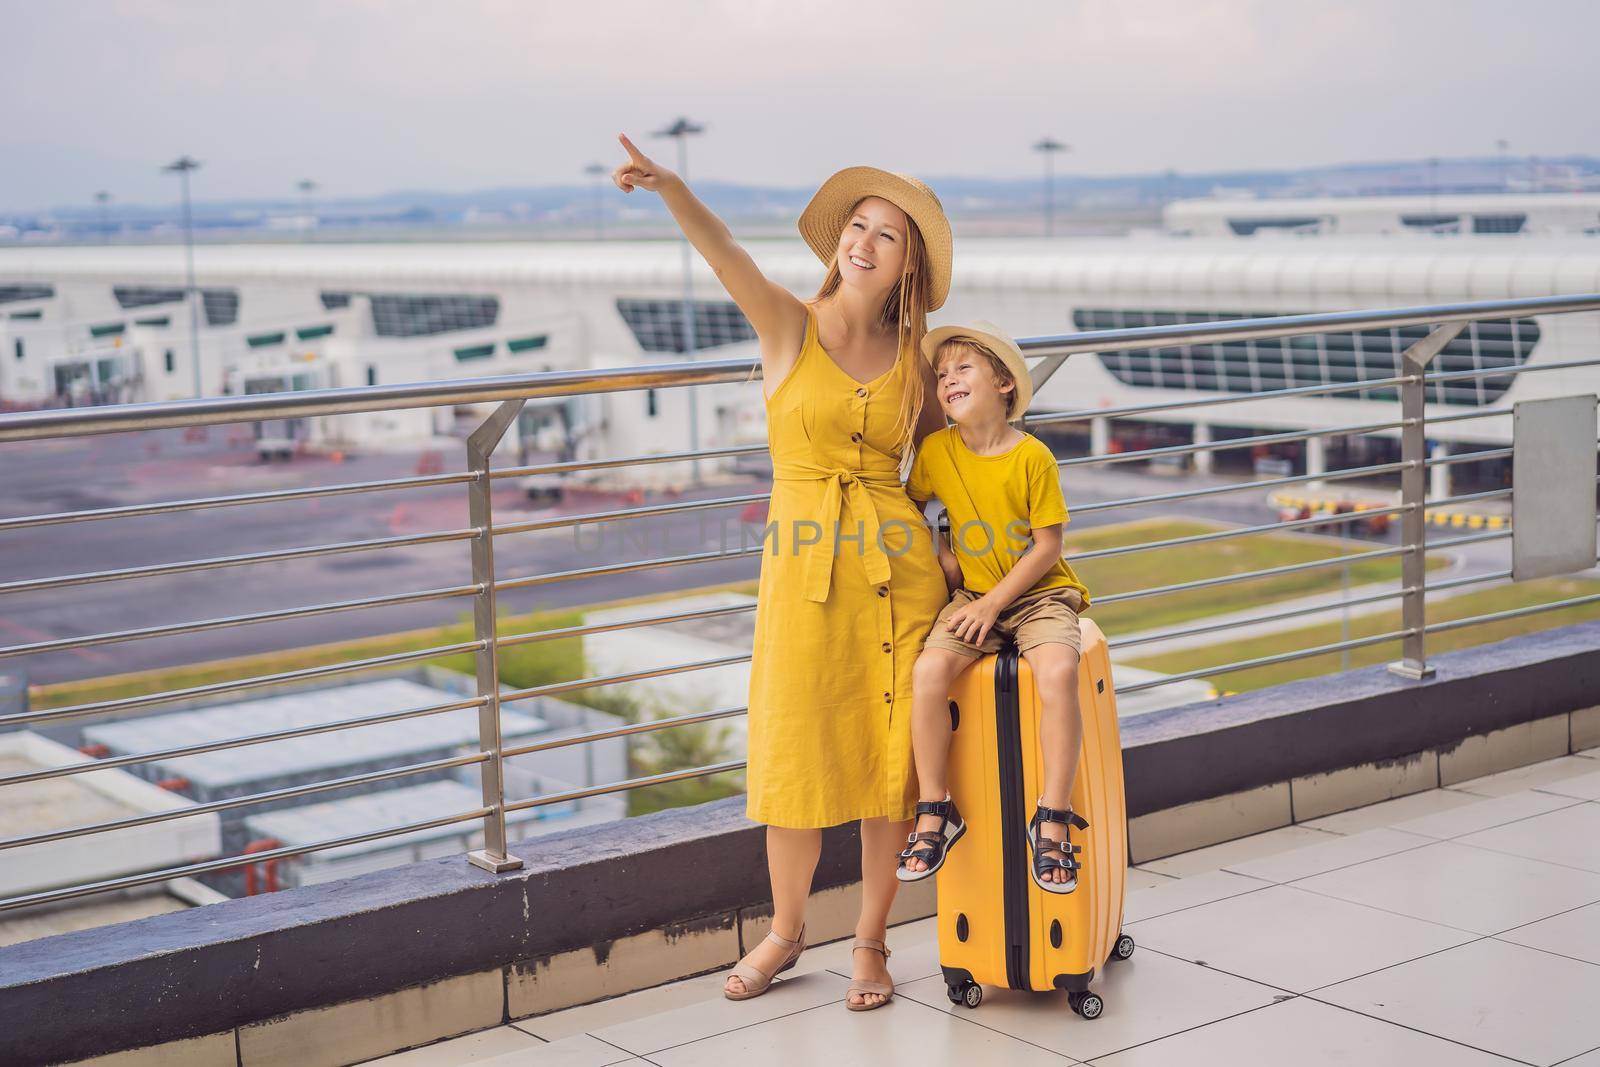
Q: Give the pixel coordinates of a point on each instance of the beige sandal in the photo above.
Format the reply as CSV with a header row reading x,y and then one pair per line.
x,y
862,985
756,981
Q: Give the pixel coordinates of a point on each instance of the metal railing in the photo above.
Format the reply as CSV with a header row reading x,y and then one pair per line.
x,y
479,478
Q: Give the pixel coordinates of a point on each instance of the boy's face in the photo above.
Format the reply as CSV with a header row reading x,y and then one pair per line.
x,y
967,387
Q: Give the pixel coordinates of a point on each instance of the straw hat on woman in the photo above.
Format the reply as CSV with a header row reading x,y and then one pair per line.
x,y
850,582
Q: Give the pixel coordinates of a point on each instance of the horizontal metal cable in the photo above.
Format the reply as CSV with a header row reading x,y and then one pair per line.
x,y
203,503
1468,457
178,629
145,700
239,742
1481,413
1265,661
1196,631
625,731
553,688
1082,414
36,425
1469,539
623,787
1217,490
245,801
216,410
1339,605
624,568
1269,572
624,624
1227,443
1503,372
188,870
1475,579
570,466
1274,326
1488,494
245,559
620,514
1243,531
1513,613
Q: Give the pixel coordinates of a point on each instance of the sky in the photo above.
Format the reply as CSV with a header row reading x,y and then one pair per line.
x,y
373,96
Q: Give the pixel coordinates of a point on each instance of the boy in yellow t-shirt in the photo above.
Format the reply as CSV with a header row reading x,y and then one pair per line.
x,y
1000,487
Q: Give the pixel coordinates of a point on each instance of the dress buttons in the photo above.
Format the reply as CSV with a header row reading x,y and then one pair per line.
x,y
883,590
888,698
855,437
887,647
862,391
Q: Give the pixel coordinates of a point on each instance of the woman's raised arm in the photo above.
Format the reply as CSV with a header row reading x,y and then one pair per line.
x,y
776,314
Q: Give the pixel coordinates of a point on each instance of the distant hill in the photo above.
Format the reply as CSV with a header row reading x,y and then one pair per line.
x,y
570,209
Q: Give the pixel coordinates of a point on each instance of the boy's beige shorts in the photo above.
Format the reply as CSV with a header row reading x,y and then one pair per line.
x,y
1047,616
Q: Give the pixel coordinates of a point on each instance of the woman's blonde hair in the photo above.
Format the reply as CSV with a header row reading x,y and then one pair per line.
x,y
905,309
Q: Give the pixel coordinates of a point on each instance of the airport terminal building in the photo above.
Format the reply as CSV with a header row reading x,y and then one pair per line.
x,y
110,324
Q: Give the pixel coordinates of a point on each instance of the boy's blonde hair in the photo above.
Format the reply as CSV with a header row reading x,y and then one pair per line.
x,y
997,366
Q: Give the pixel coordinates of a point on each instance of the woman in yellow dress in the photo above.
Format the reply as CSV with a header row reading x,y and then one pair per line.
x,y
850,581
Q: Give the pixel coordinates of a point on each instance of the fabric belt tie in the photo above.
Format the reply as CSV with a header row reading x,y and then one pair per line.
x,y
819,554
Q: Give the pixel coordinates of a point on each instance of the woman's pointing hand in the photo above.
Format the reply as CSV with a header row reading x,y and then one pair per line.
x,y
640,171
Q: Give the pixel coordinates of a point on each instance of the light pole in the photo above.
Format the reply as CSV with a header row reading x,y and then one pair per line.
x,y
101,199
1433,185
1048,147
1500,146
681,131
182,166
307,187
596,171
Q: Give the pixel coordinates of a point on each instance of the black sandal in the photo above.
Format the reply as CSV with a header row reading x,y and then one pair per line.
x,y
1050,855
936,843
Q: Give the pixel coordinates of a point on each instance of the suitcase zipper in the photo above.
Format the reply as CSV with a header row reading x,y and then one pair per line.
x,y
1014,885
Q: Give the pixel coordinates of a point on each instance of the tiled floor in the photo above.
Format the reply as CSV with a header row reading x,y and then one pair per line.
x,y
1460,926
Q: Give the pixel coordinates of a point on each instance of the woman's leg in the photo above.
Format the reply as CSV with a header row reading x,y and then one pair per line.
x,y
880,846
791,861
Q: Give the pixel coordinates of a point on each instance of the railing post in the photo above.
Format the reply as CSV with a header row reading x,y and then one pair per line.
x,y
1413,495
480,445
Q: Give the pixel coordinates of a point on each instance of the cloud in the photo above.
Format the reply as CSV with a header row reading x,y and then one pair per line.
x,y
369,95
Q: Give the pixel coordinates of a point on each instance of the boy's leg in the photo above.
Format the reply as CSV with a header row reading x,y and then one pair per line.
x,y
1055,675
935,671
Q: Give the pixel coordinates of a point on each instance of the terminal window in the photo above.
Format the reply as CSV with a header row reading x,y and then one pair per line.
x,y
1294,223
1498,223
10,294
658,325
141,296
221,305
423,315
1317,359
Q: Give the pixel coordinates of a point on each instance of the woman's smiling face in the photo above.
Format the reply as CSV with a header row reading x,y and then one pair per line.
x,y
872,247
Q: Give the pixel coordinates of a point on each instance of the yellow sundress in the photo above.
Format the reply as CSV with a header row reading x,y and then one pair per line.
x,y
850,584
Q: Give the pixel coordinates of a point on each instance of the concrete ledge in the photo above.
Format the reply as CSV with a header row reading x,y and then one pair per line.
x,y
1361,717
1196,775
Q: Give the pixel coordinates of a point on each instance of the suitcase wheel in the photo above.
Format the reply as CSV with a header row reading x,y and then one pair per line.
x,y
968,993
1088,1005
1124,947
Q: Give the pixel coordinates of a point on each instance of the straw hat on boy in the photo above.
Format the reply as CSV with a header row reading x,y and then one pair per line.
x,y
998,342
825,218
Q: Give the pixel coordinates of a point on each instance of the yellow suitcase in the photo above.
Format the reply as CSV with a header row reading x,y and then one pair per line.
x,y
996,927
